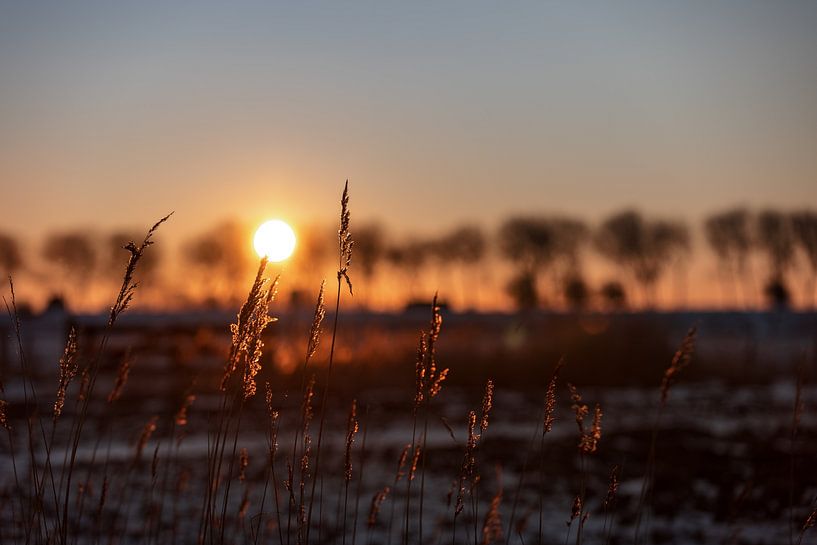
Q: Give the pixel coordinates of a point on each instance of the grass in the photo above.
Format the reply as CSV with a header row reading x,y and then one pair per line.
x,y
151,496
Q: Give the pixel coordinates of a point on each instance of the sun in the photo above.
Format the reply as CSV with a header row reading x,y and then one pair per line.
x,y
275,240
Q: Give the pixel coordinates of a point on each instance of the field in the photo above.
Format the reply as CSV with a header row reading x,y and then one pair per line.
x,y
408,273
421,427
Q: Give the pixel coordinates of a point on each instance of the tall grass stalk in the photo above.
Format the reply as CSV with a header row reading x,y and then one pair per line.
x,y
359,491
679,362
345,244
399,474
31,404
122,302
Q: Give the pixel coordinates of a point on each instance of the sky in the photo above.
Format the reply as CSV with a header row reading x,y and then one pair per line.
x,y
112,113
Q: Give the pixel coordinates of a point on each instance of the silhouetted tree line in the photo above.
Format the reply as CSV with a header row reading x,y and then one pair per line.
x,y
545,254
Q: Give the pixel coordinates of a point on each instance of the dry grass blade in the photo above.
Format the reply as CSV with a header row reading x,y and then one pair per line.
x,y
575,510
550,399
401,464
415,459
181,414
247,344
125,295
243,462
268,399
468,467
680,360
580,409
68,370
351,430
3,417
492,525
588,438
121,380
487,405
377,501
428,377
147,431
810,521
345,238
317,320
612,488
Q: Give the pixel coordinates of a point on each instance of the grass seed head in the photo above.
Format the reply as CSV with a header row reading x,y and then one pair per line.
x,y
550,399
680,361
487,405
492,525
128,288
243,462
377,500
68,370
351,430
3,416
181,415
345,241
317,320
147,431
121,380
612,488
401,463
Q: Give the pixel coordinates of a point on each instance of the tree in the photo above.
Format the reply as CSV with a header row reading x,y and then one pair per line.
x,y
642,248
11,259
804,225
614,296
222,257
72,254
576,293
776,239
465,247
522,289
542,245
314,257
729,235
408,258
778,294
369,250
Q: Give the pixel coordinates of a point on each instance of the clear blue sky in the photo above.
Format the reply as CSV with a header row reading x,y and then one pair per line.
x,y
437,112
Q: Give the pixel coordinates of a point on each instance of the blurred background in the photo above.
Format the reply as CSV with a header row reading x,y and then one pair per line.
x,y
494,154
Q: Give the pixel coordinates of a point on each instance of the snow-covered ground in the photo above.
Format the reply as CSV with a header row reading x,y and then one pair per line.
x,y
724,460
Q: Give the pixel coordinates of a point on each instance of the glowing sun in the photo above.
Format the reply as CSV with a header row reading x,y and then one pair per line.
x,y
275,240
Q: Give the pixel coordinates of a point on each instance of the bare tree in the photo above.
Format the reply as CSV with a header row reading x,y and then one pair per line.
x,y
370,249
11,259
465,247
543,245
523,291
313,258
804,225
408,258
73,254
729,235
576,293
641,248
775,238
222,257
613,295
570,237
